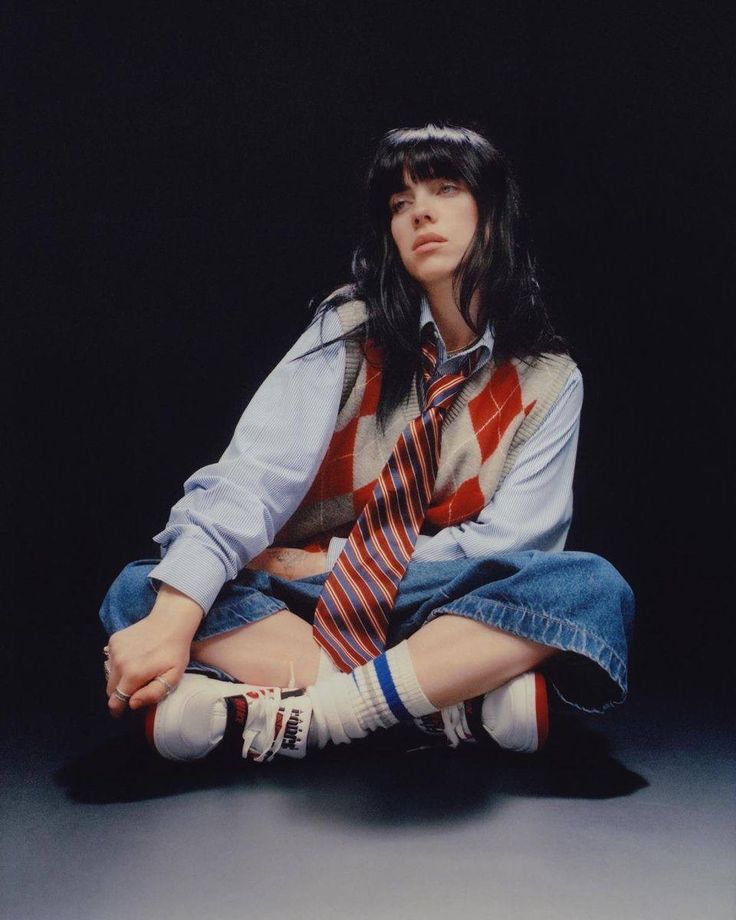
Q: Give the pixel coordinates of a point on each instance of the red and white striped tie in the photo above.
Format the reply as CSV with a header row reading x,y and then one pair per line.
x,y
351,617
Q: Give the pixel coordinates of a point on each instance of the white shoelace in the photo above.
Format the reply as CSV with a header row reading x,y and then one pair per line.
x,y
261,723
455,724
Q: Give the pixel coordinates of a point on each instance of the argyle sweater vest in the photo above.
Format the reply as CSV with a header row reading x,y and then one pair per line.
x,y
495,413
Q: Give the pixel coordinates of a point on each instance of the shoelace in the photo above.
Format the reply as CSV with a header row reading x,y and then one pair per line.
x,y
263,710
455,724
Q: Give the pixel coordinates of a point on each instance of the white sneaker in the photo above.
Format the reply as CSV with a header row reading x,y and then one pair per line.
x,y
191,722
514,715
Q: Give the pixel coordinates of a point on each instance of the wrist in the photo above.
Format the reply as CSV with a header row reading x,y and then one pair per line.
x,y
172,604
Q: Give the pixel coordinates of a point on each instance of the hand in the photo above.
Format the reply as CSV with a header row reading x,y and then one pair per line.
x,y
289,563
158,646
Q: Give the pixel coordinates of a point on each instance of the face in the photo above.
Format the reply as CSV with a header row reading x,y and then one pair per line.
x,y
443,208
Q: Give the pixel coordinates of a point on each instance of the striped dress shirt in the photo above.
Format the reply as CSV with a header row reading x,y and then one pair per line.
x,y
231,510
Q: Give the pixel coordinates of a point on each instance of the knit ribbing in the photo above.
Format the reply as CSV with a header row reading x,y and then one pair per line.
x,y
376,695
389,690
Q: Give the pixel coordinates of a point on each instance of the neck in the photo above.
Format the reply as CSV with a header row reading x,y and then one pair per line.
x,y
455,332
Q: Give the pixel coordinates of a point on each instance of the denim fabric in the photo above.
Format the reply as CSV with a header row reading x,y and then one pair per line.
x,y
575,602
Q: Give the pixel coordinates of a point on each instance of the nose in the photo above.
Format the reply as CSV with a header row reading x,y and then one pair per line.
x,y
423,210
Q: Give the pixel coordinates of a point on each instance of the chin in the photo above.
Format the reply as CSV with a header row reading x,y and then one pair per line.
x,y
432,278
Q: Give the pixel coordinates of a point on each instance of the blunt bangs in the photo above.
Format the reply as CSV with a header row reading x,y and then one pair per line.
x,y
498,269
431,152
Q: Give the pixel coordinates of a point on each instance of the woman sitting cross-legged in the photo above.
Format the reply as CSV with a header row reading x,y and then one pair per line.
x,y
383,539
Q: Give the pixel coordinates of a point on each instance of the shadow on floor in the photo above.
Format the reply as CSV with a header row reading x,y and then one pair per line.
x,y
385,779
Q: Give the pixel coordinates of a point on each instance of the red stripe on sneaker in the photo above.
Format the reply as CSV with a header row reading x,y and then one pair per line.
x,y
542,708
149,719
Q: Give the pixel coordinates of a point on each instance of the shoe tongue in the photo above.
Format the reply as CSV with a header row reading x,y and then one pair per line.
x,y
295,718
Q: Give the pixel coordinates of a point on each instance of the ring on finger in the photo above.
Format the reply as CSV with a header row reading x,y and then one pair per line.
x,y
119,695
106,651
169,687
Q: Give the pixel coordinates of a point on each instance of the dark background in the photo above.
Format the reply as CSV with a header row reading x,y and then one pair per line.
x,y
183,183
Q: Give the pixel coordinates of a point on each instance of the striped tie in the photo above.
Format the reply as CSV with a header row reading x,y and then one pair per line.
x,y
351,617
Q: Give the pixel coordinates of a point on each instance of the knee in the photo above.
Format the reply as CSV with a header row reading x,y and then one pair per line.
x,y
129,598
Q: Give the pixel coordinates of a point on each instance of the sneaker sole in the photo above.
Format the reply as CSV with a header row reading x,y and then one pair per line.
x,y
534,689
541,705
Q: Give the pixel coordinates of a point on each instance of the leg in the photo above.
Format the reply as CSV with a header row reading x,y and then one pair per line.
x,y
271,652
460,624
250,635
511,613
456,658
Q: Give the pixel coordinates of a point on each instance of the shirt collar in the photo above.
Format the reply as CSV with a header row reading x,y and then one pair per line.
x,y
485,341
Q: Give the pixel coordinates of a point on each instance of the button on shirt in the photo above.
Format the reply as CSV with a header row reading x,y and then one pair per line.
x,y
232,510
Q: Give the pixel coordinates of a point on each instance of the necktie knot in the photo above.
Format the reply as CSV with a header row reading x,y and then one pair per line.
x,y
441,391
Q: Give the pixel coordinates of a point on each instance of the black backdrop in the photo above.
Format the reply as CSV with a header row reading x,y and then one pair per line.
x,y
183,183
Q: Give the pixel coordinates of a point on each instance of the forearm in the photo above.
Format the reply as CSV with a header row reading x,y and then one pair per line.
x,y
151,654
174,607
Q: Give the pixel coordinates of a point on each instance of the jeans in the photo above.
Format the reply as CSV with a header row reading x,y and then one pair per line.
x,y
575,602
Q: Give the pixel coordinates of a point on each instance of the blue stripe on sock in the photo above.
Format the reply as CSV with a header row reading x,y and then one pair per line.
x,y
388,688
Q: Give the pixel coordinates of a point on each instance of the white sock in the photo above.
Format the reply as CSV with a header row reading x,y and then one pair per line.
x,y
327,667
375,695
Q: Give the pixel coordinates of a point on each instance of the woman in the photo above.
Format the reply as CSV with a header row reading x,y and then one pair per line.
x,y
382,539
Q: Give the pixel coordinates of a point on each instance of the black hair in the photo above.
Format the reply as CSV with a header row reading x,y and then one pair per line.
x,y
497,264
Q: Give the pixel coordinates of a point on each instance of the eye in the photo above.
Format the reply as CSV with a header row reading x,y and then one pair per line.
x,y
443,188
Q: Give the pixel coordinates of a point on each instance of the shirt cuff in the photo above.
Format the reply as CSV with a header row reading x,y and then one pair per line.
x,y
192,569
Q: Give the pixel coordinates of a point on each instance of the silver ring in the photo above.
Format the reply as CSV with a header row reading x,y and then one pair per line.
x,y
119,695
106,651
169,687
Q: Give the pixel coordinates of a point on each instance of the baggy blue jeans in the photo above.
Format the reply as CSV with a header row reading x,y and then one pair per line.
x,y
575,602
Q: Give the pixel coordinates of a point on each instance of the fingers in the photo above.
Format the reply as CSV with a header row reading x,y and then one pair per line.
x,y
116,681
122,683
156,689
117,704
146,661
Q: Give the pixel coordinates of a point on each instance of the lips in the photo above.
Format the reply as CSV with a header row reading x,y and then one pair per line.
x,y
428,238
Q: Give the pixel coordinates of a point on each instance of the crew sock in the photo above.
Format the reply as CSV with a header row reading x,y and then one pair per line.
x,y
375,695
327,667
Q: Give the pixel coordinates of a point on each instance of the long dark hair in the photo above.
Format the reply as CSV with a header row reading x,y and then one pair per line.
x,y
497,264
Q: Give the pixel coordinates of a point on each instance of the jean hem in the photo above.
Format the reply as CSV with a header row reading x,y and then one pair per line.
x,y
539,626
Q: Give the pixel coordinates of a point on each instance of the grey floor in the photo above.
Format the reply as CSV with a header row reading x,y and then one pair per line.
x,y
628,815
